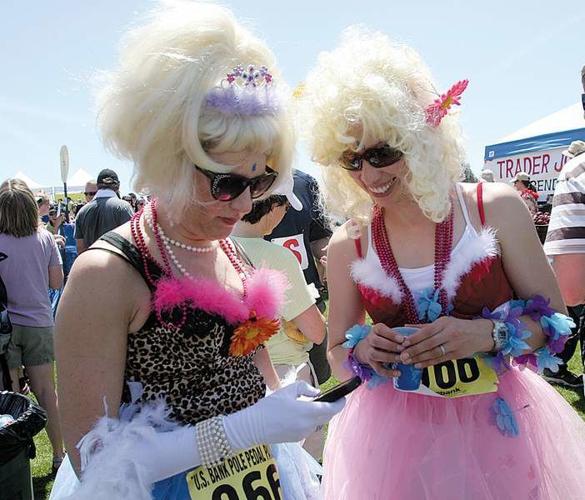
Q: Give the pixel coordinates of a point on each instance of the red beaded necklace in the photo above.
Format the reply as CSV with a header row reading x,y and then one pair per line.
x,y
443,245
138,236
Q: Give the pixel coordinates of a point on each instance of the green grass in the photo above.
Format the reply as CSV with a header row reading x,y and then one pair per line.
x,y
41,465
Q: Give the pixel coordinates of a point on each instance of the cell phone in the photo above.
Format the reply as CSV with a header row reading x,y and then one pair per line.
x,y
339,391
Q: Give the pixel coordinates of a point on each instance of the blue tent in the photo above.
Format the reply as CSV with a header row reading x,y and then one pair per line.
x,y
536,149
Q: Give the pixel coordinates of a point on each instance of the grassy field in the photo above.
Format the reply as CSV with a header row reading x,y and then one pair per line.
x,y
41,465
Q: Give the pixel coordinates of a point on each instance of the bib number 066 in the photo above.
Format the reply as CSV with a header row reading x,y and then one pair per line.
x,y
252,490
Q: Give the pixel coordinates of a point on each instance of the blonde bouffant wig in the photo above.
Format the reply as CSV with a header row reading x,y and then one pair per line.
x,y
381,88
153,108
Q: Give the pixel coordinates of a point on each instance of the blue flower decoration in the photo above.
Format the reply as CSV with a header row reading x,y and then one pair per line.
x,y
355,334
557,325
428,305
515,345
504,418
547,360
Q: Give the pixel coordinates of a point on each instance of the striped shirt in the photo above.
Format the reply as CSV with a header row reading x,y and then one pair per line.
x,y
566,230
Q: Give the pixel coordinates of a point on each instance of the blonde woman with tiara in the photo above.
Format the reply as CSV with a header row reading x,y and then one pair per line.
x,y
162,323
451,406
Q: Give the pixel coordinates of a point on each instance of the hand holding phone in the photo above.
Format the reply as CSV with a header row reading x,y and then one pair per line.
x,y
339,391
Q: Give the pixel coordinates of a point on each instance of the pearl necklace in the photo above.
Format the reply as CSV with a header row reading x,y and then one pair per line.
x,y
164,244
167,240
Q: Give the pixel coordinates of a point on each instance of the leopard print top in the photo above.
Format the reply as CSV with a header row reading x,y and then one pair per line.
x,y
190,367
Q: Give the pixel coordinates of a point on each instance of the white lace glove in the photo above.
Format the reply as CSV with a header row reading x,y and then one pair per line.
x,y
279,418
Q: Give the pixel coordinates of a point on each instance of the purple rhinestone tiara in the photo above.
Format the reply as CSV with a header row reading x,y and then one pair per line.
x,y
245,91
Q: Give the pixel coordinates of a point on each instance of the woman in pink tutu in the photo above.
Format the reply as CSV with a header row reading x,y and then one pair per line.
x,y
463,264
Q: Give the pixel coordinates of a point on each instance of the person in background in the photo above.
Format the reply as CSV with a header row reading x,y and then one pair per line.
x,y
565,246
303,324
90,190
140,202
306,234
32,266
44,204
128,199
56,219
104,213
527,190
486,176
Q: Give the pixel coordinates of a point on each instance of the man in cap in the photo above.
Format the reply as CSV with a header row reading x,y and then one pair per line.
x,y
105,212
565,246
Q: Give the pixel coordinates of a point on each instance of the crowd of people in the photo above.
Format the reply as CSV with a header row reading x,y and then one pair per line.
x,y
196,324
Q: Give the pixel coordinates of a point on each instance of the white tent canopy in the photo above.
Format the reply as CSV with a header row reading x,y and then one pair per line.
x,y
78,179
569,118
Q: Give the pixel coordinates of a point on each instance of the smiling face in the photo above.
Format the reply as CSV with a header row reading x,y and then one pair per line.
x,y
211,219
384,185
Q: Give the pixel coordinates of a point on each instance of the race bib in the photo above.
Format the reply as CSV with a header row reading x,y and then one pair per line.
x,y
248,475
296,245
457,378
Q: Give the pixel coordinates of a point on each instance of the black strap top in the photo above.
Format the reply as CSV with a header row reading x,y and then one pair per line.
x,y
189,367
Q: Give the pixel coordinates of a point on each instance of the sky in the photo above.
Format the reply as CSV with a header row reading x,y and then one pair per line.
x,y
523,59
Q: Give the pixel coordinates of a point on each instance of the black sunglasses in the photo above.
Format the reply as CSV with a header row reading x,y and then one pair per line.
x,y
227,187
90,193
583,101
377,157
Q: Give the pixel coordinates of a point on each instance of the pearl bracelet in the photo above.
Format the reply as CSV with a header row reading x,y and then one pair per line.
x,y
212,441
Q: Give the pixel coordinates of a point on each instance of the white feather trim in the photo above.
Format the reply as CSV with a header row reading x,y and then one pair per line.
x,y
485,246
369,272
108,457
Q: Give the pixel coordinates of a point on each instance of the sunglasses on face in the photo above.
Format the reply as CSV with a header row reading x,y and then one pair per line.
x,y
377,157
227,187
583,101
90,193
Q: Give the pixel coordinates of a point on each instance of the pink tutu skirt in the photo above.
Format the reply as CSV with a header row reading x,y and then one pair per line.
x,y
393,445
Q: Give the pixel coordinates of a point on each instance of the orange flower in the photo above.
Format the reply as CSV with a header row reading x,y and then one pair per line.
x,y
251,334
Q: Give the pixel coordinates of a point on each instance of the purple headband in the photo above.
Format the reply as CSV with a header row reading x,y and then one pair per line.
x,y
246,92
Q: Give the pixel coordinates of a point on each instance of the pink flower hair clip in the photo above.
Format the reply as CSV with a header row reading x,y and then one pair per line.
x,y
438,110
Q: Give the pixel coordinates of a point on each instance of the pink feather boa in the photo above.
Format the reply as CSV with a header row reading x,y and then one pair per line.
x,y
265,296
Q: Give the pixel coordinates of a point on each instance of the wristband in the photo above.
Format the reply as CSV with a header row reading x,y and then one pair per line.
x,y
500,335
365,372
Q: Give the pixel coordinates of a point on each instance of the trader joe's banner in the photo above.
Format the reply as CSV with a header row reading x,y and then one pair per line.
x,y
540,157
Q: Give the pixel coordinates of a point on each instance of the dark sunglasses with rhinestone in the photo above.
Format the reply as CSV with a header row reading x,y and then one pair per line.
x,y
227,187
378,157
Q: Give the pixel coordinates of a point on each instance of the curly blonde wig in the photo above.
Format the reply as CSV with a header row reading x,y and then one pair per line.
x,y
381,88
152,109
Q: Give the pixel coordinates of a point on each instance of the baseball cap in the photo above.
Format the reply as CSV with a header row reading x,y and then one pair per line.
x,y
285,188
108,176
521,176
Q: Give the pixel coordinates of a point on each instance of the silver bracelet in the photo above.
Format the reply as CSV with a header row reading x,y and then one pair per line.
x,y
212,441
